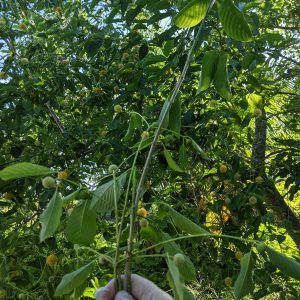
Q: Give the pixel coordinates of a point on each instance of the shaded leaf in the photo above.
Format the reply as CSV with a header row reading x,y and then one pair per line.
x,y
221,77
192,14
199,150
175,116
70,281
171,163
209,66
163,110
286,265
50,218
234,22
184,223
23,169
244,283
103,196
186,269
81,225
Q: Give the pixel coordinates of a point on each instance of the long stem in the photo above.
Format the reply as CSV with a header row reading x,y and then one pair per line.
x,y
116,275
127,283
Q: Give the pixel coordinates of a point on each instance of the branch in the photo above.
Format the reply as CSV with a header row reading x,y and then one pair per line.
x,y
55,117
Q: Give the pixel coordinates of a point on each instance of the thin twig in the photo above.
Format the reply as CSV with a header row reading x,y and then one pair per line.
x,y
55,117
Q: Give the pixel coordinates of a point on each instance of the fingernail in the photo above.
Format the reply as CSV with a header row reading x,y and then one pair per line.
x,y
122,295
99,294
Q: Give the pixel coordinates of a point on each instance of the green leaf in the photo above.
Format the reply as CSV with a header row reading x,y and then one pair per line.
x,y
234,22
50,218
151,59
244,283
81,225
174,280
199,150
70,281
192,14
209,66
183,161
175,116
163,110
183,223
286,265
67,199
23,169
221,77
171,163
103,196
186,269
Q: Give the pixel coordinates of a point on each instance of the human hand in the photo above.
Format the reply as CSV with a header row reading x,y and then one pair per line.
x,y
142,289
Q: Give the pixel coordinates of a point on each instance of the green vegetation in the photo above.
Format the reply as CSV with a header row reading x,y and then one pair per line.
x,y
153,137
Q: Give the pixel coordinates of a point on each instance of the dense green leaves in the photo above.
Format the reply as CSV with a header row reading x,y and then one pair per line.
x,y
287,265
192,14
23,169
50,218
81,225
72,280
244,283
234,22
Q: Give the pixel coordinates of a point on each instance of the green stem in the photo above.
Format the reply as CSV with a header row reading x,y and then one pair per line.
x,y
116,275
127,282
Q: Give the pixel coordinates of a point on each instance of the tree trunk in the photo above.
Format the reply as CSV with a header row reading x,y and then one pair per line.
x,y
283,212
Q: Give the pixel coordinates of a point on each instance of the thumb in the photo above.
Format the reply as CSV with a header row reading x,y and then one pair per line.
x,y
122,295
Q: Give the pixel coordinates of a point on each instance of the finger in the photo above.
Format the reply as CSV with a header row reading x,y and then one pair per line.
x,y
122,295
105,293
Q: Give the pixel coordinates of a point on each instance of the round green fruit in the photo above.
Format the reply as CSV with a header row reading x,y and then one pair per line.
x,y
24,61
252,200
112,169
48,182
179,259
22,296
144,223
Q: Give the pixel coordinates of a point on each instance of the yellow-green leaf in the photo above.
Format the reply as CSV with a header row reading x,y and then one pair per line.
x,y
234,22
23,169
192,14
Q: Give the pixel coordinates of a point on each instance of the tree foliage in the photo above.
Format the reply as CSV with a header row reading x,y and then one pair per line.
x,y
88,84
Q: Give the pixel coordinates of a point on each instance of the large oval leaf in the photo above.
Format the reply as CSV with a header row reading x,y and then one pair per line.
x,y
23,169
50,218
70,281
244,283
234,22
81,225
285,264
192,14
